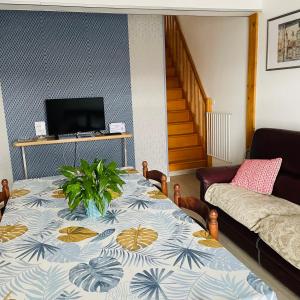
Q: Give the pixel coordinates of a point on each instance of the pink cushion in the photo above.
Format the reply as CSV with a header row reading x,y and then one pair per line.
x,y
258,175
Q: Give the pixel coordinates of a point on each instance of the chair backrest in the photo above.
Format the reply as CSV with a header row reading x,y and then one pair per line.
x,y
4,196
157,176
271,143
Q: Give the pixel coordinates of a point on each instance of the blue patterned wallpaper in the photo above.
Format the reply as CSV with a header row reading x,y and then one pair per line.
x,y
61,55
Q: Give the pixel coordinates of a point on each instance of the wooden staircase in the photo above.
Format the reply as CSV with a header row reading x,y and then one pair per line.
x,y
187,103
185,148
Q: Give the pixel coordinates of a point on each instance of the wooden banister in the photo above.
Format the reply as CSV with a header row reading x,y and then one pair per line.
x,y
188,53
186,71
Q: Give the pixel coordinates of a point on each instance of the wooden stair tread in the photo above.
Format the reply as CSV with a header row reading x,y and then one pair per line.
x,y
174,100
187,153
176,105
186,148
176,111
186,160
183,122
175,88
183,140
177,128
183,135
183,115
174,93
187,164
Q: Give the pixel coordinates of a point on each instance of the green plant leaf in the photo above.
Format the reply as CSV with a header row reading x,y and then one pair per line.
x,y
99,167
108,196
103,183
68,171
86,169
73,188
92,182
112,166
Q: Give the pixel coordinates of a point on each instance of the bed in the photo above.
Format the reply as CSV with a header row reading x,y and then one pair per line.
x,y
145,247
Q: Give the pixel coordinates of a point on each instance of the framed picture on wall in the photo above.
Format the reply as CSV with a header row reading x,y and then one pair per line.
x,y
283,42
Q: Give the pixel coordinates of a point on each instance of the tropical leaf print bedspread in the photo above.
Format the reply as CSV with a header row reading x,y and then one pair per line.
x,y
143,248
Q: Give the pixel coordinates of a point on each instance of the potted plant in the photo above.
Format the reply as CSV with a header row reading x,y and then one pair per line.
x,y
93,185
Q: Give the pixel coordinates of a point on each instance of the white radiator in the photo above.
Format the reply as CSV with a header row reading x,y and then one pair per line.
x,y
218,135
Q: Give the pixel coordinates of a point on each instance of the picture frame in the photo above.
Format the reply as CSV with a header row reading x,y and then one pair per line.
x,y
283,42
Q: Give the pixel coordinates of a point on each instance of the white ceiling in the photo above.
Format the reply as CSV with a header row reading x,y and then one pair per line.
x,y
173,7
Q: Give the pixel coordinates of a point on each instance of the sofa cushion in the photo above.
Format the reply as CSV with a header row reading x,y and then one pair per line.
x,y
270,143
282,234
258,175
248,207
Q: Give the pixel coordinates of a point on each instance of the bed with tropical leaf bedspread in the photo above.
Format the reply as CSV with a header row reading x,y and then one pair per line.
x,y
143,248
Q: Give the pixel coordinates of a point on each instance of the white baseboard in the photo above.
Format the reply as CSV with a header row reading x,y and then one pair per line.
x,y
183,172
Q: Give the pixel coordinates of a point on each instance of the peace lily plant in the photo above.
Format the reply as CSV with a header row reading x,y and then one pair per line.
x,y
94,185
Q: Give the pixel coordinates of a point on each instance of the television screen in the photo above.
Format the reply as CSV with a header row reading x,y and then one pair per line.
x,y
65,116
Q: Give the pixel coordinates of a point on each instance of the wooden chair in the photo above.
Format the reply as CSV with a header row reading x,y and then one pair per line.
x,y
195,204
4,196
156,176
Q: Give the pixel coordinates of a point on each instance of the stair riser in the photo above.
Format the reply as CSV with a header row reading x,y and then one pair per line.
x,y
180,116
181,128
173,82
195,153
169,63
176,104
187,165
183,141
171,72
174,94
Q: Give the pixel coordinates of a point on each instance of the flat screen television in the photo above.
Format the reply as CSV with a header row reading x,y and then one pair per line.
x,y
67,116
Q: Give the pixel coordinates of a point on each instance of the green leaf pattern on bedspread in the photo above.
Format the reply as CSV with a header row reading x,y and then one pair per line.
x,y
143,248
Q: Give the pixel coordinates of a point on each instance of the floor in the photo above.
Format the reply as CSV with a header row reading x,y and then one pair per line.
x,y
190,187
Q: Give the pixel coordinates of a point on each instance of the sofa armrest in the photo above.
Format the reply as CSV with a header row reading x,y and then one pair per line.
x,y
209,176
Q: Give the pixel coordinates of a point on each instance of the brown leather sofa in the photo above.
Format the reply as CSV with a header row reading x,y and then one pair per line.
x,y
267,144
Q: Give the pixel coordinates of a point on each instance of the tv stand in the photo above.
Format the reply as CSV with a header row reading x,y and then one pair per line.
x,y
52,141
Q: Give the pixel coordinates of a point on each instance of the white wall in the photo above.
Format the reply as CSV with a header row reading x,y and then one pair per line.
x,y
278,92
147,59
5,163
219,47
147,64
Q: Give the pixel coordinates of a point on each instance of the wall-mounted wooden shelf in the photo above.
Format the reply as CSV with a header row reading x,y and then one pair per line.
x,y
53,141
